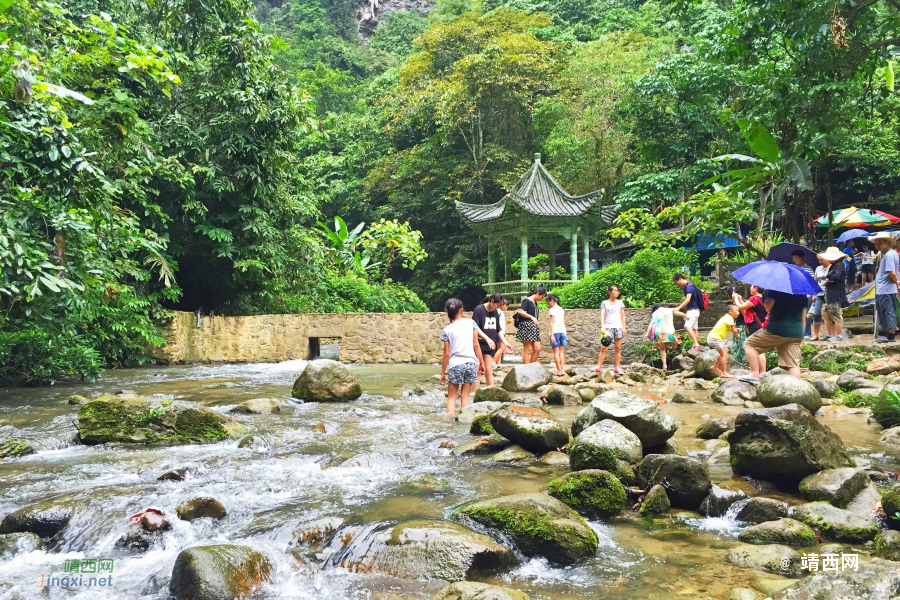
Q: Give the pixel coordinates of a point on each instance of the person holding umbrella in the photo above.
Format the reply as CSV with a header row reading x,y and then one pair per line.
x,y
788,288
886,288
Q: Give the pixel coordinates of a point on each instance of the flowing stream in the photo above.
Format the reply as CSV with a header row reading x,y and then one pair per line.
x,y
382,459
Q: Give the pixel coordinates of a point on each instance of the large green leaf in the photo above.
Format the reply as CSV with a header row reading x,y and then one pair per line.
x,y
798,173
760,140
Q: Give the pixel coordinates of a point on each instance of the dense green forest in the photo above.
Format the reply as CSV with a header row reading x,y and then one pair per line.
x,y
176,154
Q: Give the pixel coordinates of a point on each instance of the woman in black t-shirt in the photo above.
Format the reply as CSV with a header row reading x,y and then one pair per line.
x,y
527,326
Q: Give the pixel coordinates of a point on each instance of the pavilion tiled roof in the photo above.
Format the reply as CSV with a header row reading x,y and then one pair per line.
x,y
536,193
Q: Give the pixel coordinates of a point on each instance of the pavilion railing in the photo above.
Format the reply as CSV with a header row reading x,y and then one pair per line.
x,y
522,286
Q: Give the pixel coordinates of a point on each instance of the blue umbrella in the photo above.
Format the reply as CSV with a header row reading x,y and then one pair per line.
x,y
778,276
852,234
782,253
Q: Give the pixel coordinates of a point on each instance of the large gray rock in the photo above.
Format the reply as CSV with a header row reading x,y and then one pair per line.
x,y
560,395
326,381
644,373
427,550
471,590
596,493
606,445
774,558
852,379
703,364
45,519
531,428
483,445
538,525
781,390
759,510
836,524
874,580
13,543
218,572
713,428
825,387
687,479
734,392
783,531
526,378
467,414
641,416
682,362
490,393
784,444
837,486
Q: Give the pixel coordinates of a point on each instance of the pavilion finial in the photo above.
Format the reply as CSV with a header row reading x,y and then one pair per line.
x,y
537,157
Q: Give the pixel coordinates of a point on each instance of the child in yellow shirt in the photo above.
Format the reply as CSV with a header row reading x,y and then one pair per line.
x,y
716,340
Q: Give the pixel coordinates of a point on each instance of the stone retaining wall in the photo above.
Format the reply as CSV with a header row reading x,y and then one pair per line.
x,y
370,338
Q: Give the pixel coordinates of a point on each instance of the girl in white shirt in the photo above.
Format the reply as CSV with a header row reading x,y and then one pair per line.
x,y
462,362
558,339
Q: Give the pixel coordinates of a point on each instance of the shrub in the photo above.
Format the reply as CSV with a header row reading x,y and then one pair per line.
x,y
886,409
645,278
34,357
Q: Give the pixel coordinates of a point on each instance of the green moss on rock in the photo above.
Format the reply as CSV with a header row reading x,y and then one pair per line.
x,y
592,492
14,448
481,425
656,502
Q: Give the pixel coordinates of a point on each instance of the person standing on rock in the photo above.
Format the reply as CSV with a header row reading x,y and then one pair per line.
x,y
783,333
558,337
461,363
612,321
718,340
886,288
527,325
489,321
662,331
835,293
690,308
498,357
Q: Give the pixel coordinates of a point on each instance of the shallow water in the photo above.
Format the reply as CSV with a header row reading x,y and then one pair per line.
x,y
379,461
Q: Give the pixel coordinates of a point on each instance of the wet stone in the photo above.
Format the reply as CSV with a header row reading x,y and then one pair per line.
x,y
836,524
719,500
490,393
258,406
13,543
760,509
484,445
783,531
531,428
471,590
218,572
512,454
555,459
774,558
179,474
153,522
713,428
138,539
45,519
199,508
837,486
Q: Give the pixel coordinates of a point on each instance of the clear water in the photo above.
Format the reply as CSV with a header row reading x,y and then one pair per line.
x,y
379,461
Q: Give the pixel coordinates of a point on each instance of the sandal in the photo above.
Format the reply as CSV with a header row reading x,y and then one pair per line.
x,y
597,370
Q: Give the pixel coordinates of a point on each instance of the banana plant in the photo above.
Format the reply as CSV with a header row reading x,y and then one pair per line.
x,y
342,246
771,174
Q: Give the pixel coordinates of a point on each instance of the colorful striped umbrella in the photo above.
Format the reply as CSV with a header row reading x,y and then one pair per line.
x,y
858,217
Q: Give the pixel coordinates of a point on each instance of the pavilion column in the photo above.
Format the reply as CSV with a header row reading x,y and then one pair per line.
x,y
523,259
586,249
551,258
573,255
507,262
491,260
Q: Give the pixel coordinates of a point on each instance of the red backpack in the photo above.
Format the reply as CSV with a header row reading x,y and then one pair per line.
x,y
702,298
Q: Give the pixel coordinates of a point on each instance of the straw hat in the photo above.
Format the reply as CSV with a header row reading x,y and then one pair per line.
x,y
832,254
883,235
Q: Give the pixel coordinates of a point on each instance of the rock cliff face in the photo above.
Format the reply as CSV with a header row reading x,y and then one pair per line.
x,y
371,13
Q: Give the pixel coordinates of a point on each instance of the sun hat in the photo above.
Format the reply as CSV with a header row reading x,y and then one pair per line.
x,y
832,254
883,235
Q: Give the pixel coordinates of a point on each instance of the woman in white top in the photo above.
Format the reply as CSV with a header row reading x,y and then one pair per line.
x,y
612,322
462,362
867,258
558,339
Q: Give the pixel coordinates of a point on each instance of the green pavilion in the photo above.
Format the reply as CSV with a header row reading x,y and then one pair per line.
x,y
536,211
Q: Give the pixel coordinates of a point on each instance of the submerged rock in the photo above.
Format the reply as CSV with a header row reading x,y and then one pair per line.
x,y
641,416
837,486
526,378
787,532
133,419
774,558
484,445
781,390
687,478
836,524
537,524
326,381
45,519
561,395
734,392
513,454
258,406
593,492
713,428
13,543
531,428
874,580
138,538
14,448
198,508
174,475
760,509
471,590
656,502
784,444
719,500
218,572
608,446
490,393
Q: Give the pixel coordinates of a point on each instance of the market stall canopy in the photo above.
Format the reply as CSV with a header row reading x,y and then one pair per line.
x,y
858,217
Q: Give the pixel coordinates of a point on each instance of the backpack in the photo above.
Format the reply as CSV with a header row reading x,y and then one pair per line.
x,y
702,298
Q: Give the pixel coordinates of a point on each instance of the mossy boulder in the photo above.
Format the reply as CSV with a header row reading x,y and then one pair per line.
x,y
538,525
781,390
134,419
562,395
326,381
607,446
887,545
472,590
760,510
14,448
641,416
890,504
481,425
837,486
656,502
45,519
490,393
713,428
526,378
784,445
788,532
687,479
593,492
76,399
218,572
13,543
836,524
199,508
531,428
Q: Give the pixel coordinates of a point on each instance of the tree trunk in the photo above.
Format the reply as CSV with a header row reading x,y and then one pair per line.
x,y
830,202
765,193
